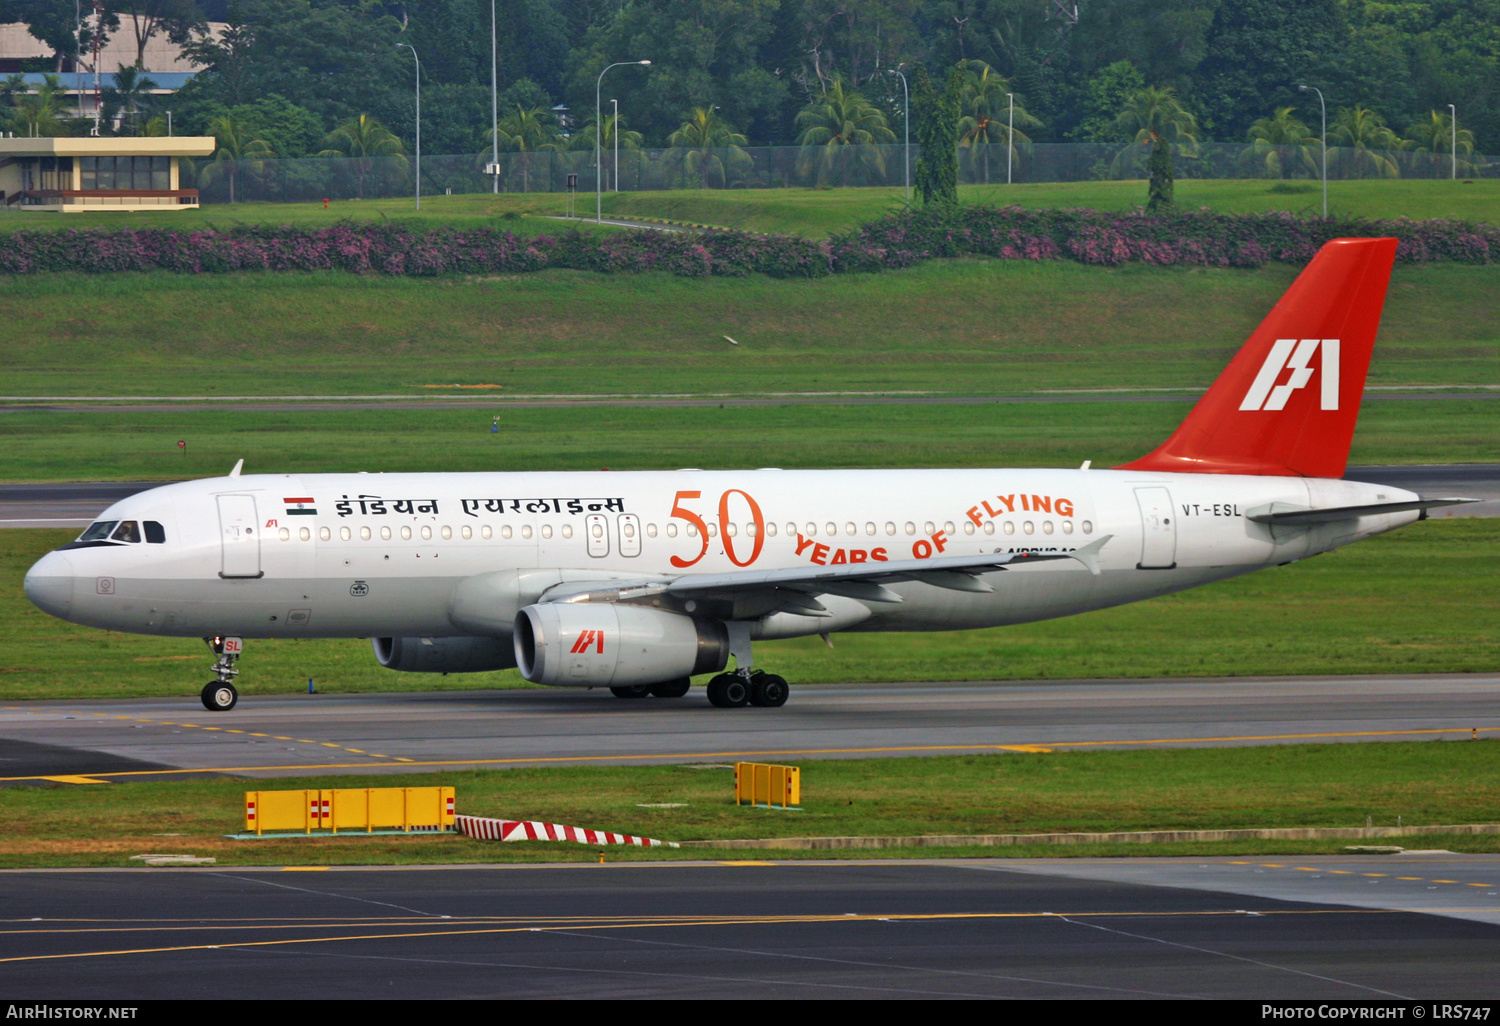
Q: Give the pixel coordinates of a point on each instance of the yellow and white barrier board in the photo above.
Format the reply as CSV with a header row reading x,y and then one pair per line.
x,y
760,783
351,808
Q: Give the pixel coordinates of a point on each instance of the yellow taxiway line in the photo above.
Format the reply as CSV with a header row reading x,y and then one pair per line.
x,y
653,922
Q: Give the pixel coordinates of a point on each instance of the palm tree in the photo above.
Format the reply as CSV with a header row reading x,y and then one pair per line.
x,y
1159,123
1280,143
131,91
362,140
1360,135
987,113
1435,135
37,113
524,131
1155,112
11,87
590,136
696,141
841,133
235,146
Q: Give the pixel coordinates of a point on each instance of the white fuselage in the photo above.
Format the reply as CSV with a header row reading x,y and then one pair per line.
x,y
385,554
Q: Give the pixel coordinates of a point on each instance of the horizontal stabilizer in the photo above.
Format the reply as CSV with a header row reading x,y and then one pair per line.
x,y
1334,513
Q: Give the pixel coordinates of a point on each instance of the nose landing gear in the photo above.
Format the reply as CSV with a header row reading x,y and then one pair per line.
x,y
220,694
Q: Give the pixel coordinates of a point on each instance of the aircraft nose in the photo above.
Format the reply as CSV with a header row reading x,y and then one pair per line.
x,y
49,584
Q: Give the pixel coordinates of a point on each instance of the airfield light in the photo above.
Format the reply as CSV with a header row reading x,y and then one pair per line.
x,y
1324,107
599,139
419,120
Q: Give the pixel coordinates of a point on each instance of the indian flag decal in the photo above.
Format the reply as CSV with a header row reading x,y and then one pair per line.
x,y
300,508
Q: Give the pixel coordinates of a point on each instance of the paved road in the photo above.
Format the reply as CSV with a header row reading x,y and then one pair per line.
x,y
289,735
75,504
1323,928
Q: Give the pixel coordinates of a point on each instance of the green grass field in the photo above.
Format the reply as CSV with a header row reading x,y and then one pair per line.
x,y
818,213
975,326
1214,788
1420,600
125,444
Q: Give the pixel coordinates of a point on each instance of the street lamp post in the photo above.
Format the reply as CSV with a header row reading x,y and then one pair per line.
x,y
599,139
614,126
1010,135
494,104
419,120
1453,123
1324,108
906,139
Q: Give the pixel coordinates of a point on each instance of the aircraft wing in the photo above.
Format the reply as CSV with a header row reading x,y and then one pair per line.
x,y
865,581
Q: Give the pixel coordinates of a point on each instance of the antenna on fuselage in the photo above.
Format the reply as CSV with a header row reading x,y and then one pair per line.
x,y
237,467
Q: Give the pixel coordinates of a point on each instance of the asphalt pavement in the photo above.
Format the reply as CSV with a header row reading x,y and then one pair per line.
x,y
1072,929
291,735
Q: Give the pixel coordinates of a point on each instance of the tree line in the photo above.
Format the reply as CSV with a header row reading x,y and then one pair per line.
x,y
819,74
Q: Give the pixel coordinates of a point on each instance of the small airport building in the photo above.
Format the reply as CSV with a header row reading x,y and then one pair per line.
x,y
71,175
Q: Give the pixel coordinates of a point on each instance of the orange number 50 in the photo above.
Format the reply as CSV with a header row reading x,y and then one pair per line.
x,y
679,513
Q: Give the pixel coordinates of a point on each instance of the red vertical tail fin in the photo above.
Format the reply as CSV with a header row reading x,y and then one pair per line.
x,y
1288,401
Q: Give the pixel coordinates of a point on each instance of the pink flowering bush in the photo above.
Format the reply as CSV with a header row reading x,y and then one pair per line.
x,y
1199,238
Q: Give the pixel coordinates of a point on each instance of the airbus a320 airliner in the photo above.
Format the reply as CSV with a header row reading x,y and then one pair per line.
x,y
639,581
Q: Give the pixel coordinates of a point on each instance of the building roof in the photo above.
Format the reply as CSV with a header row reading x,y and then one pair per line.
x,y
126,146
161,55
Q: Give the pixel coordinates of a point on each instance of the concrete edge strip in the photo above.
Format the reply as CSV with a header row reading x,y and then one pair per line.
x,y
1116,837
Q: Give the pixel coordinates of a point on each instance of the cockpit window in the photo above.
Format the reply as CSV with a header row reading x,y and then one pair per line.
x,y
99,531
128,531
155,533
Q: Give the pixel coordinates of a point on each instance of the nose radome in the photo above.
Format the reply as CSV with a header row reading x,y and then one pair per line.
x,y
49,584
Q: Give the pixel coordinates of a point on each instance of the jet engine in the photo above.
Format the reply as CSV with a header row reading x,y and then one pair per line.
x,y
601,645
444,655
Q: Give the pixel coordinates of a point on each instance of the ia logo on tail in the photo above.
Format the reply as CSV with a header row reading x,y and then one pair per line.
x,y
1262,394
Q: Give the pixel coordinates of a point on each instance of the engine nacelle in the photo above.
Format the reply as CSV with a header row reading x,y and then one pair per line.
x,y
444,655
597,644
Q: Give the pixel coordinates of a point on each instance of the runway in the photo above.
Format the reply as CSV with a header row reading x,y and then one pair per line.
x,y
287,735
1370,929
76,504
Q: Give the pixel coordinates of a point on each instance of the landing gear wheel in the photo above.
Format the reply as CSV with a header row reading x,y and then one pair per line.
x,y
728,691
219,696
769,691
631,691
672,688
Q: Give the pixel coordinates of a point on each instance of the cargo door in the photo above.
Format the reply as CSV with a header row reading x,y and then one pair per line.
x,y
1158,529
239,536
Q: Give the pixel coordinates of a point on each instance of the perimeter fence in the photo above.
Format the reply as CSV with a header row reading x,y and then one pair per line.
x,y
309,179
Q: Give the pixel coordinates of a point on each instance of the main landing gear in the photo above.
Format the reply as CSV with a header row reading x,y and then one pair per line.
x,y
748,687
219,694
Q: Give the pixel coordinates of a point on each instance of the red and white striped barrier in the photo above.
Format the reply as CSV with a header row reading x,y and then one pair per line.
x,y
484,829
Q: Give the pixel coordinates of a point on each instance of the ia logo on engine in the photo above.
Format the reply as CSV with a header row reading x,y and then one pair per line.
x,y
587,638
